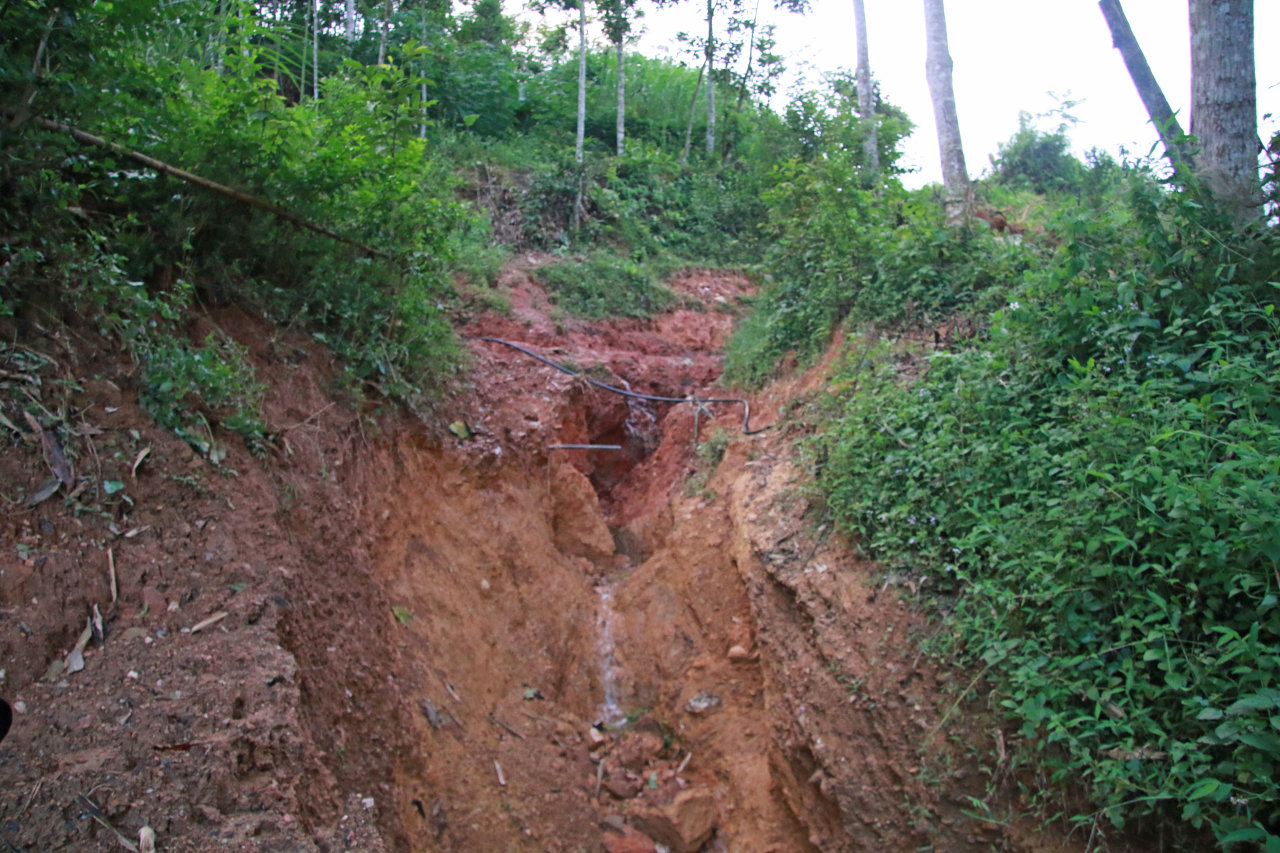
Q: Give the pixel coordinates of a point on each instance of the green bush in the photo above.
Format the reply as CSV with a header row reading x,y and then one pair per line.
x,y
846,254
603,285
1092,494
1035,160
352,162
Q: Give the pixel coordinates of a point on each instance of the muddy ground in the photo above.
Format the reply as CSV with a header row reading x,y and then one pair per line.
x,y
387,634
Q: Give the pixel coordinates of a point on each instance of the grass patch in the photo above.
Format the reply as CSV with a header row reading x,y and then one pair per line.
x,y
603,285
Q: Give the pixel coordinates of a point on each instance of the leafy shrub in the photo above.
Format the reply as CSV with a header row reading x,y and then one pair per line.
x,y
604,285
846,253
1036,160
1092,494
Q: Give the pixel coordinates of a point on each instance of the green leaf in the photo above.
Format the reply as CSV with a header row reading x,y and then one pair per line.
x,y
1264,741
112,486
1201,789
1248,833
1256,702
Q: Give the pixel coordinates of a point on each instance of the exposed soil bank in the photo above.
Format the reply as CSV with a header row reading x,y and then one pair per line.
x,y
423,631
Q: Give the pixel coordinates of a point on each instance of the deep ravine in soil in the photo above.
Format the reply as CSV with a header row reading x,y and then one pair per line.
x,y
437,643
619,648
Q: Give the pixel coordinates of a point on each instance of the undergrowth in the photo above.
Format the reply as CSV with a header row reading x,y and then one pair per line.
x,y
843,255
1091,494
604,285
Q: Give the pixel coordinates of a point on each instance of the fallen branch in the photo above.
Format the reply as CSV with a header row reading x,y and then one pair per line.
x,y
221,189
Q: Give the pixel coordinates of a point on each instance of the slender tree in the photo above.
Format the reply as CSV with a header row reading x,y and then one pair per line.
x,y
751,55
386,29
693,102
711,83
617,25
866,97
315,51
621,129
1224,110
582,81
308,19
349,19
732,50
955,179
1158,109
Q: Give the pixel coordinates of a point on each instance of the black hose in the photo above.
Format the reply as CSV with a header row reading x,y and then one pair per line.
x,y
746,406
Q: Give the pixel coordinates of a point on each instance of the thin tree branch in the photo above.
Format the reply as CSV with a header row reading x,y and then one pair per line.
x,y
23,112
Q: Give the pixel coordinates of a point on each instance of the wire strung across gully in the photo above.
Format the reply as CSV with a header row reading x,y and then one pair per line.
x,y
694,400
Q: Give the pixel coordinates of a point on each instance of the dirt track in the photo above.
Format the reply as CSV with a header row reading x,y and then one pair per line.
x,y
422,629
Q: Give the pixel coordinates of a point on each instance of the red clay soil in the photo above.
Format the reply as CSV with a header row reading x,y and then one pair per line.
x,y
383,636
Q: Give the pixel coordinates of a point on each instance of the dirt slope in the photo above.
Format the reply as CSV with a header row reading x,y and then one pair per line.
x,y
477,643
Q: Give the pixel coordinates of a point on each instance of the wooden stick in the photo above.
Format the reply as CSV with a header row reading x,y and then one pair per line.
x,y
502,780
111,574
599,776
506,726
212,620
221,189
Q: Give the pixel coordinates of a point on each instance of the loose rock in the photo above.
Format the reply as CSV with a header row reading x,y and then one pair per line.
x,y
684,824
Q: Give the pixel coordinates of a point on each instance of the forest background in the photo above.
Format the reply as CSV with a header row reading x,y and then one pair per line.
x,y
1082,483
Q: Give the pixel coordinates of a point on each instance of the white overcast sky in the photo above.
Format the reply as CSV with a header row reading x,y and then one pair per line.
x,y
1008,56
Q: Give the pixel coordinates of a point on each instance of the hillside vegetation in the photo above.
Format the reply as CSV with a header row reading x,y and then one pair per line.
x,y
1067,440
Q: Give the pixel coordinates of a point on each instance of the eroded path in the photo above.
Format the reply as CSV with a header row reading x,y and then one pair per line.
x,y
650,645
473,640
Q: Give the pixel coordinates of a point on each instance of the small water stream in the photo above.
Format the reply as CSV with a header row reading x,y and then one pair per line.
x,y
609,712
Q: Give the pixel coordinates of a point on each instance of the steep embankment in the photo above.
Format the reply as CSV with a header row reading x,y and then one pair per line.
x,y
471,639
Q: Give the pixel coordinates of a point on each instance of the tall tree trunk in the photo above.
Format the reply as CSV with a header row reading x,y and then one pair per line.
x,y
938,70
349,18
866,97
386,29
582,80
315,51
1224,109
1144,81
582,111
688,129
302,62
422,128
711,85
622,101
